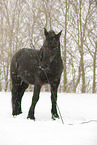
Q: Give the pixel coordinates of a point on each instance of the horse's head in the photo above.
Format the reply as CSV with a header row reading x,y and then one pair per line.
x,y
52,40
50,48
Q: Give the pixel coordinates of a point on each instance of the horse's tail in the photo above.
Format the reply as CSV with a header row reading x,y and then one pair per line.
x,y
14,64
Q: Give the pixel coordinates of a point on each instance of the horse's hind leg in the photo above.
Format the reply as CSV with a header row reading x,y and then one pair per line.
x,y
17,93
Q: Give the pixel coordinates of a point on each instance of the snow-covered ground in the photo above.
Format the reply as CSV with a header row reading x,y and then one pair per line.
x,y
79,112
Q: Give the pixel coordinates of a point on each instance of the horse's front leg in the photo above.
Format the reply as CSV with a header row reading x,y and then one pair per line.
x,y
54,88
35,99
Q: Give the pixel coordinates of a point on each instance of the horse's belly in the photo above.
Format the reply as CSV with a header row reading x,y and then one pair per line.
x,y
27,75
29,79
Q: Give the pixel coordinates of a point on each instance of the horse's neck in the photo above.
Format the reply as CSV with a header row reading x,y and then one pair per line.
x,y
45,53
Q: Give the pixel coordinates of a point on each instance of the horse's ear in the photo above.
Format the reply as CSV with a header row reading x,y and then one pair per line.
x,y
45,32
59,34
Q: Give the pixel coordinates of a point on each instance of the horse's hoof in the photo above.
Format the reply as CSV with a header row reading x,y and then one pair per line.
x,y
55,116
16,113
31,117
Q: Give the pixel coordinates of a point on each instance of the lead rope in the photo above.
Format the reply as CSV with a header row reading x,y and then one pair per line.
x,y
53,94
58,106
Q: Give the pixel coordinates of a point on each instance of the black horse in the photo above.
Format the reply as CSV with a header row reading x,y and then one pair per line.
x,y
38,67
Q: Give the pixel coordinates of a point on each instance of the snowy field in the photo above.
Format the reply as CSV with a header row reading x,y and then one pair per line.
x,y
79,112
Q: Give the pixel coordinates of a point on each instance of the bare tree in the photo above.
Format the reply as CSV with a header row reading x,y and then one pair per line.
x,y
22,23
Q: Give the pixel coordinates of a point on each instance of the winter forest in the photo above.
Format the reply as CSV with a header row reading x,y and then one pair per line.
x,y
22,24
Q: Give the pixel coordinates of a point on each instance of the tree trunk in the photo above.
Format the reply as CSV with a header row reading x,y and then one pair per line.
x,y
64,53
94,69
81,51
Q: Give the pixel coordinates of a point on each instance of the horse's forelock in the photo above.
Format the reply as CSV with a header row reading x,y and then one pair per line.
x,y
52,33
